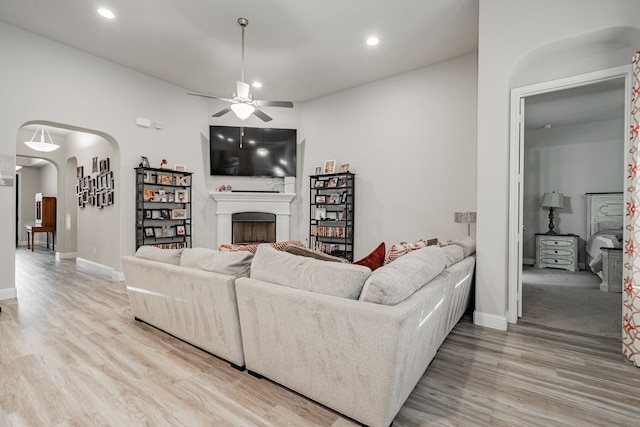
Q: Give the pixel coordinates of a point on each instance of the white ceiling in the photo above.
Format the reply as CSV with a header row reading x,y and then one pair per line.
x,y
300,50
591,103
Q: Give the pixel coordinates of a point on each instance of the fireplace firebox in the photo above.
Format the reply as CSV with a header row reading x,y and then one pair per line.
x,y
253,227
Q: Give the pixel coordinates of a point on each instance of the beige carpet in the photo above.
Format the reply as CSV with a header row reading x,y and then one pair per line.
x,y
570,301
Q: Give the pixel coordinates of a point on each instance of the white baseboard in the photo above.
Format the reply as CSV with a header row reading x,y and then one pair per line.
x,y
490,321
66,255
101,268
9,293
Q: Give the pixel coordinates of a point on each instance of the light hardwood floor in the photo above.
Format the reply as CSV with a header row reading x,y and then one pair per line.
x,y
72,355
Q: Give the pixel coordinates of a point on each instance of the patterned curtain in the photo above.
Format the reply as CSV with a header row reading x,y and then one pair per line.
x,y
631,291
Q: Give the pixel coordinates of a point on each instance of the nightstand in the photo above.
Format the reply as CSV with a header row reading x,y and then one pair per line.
x,y
557,251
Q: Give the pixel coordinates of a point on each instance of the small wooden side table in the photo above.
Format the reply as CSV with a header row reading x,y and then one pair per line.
x,y
32,229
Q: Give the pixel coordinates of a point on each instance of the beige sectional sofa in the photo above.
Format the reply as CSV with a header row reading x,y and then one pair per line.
x,y
190,293
360,356
354,340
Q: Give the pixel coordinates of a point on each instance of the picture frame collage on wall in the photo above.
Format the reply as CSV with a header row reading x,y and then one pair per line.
x,y
98,191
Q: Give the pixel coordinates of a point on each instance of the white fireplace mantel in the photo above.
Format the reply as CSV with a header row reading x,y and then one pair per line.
x,y
229,203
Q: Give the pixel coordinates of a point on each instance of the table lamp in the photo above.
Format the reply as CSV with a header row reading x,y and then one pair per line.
x,y
552,201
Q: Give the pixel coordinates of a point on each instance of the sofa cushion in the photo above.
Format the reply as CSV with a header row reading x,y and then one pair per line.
x,y
397,281
468,245
302,251
403,248
168,256
331,278
235,264
452,253
375,259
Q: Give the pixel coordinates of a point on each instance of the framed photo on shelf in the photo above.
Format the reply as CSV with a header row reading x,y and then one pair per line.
x,y
179,168
147,214
320,199
344,168
321,213
342,182
334,199
156,214
164,179
318,170
333,182
319,184
182,196
79,171
329,166
180,230
178,213
94,167
144,161
148,232
164,214
149,195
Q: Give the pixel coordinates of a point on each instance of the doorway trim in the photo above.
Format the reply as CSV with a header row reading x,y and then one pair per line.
x,y
516,122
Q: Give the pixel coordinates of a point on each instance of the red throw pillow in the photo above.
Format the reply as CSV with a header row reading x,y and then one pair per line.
x,y
375,259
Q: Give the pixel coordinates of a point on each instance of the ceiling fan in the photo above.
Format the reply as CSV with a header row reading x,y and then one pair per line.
x,y
242,103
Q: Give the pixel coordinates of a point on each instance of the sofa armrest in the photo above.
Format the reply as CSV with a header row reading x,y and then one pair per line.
x,y
194,305
361,359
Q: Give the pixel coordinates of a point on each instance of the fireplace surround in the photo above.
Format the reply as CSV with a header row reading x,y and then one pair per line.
x,y
229,203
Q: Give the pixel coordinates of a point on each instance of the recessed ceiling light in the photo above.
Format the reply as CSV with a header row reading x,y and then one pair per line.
x,y
106,13
372,41
257,84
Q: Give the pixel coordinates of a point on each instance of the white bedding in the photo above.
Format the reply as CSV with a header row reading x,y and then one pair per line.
x,y
602,239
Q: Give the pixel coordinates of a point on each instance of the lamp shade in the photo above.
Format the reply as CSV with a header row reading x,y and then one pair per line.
x,y
553,200
242,110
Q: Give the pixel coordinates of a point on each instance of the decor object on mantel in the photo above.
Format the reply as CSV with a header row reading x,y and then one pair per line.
x,y
242,103
552,201
42,145
465,218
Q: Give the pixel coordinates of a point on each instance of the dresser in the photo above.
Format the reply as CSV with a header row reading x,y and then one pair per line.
x,y
557,251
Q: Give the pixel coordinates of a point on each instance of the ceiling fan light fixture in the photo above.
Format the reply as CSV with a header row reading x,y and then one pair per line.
x,y
42,145
242,110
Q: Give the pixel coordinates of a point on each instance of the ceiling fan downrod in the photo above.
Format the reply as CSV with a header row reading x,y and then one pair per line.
x,y
243,23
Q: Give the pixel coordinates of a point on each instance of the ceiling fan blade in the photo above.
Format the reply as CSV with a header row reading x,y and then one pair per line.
x,y
222,112
242,89
261,115
263,103
210,96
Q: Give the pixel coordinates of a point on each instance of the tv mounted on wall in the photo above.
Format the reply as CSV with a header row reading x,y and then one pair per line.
x,y
264,152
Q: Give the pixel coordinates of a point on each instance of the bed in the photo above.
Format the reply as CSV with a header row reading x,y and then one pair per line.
x,y
604,238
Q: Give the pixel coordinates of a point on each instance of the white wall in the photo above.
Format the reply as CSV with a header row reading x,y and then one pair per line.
x,y
572,160
29,186
82,91
410,140
510,34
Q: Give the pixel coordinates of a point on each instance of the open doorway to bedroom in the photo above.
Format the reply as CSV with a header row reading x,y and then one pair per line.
x,y
571,143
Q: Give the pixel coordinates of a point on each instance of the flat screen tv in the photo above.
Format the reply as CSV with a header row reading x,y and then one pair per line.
x,y
264,152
